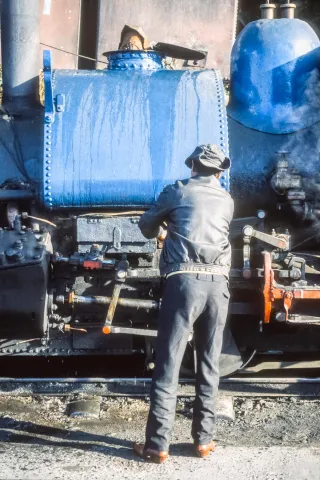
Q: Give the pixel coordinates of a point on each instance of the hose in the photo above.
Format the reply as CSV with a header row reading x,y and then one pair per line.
x,y
43,220
245,364
113,214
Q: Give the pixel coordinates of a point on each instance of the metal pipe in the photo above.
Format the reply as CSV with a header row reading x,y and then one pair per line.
x,y
287,10
20,45
267,11
122,302
145,332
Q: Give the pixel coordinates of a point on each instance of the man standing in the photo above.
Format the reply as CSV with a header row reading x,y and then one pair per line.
x,y
195,260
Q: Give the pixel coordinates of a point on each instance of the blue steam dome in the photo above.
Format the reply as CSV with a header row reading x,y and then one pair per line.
x,y
275,79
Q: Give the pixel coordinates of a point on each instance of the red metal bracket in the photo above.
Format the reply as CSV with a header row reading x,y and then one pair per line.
x,y
287,302
92,264
268,287
272,292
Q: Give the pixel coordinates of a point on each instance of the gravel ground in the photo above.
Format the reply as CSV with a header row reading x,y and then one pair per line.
x,y
271,439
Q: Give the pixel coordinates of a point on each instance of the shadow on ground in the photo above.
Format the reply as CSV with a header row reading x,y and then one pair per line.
x,y
13,431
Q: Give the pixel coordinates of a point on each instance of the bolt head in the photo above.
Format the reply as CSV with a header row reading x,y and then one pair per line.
x,y
121,274
18,244
281,317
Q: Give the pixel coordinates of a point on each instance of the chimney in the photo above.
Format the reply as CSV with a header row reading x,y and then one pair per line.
x,y
20,44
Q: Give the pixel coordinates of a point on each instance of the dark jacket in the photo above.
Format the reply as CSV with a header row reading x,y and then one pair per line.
x,y
198,212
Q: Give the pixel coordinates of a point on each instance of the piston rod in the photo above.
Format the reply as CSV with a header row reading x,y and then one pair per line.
x,y
122,302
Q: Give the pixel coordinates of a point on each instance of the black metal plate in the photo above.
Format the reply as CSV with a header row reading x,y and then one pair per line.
x,y
176,51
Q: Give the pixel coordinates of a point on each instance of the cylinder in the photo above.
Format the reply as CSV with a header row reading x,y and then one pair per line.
x,y
287,10
20,43
267,11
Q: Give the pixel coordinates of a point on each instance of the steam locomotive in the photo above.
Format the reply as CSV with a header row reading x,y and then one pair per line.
x,y
77,277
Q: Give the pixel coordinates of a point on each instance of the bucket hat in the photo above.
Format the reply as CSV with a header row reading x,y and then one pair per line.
x,y
210,156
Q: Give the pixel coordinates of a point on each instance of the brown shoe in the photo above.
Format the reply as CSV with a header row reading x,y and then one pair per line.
x,y
150,455
204,450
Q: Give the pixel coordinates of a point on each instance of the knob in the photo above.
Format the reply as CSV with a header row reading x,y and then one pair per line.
x,y
247,231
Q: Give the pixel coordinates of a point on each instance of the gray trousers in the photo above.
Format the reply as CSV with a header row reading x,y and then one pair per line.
x,y
190,302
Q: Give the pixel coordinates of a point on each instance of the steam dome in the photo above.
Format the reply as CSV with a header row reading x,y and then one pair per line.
x,y
275,81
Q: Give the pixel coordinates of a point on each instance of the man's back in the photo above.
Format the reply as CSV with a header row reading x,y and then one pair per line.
x,y
198,213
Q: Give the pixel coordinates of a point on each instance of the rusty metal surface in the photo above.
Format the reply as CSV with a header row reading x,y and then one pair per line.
x,y
112,308
287,302
201,24
268,284
59,27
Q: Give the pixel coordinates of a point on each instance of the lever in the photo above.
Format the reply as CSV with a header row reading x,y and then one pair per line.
x,y
281,241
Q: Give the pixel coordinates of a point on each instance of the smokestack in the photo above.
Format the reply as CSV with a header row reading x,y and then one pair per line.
x,y
287,10
20,44
267,11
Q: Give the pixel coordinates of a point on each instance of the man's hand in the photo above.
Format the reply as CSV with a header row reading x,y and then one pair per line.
x,y
151,221
162,235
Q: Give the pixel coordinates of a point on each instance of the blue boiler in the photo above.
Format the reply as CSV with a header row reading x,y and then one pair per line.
x,y
116,137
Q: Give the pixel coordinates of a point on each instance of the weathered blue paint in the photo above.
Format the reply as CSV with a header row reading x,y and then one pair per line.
x,y
48,94
275,76
134,59
124,134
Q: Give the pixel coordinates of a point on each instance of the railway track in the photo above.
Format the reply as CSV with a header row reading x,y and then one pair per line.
x,y
235,386
271,377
